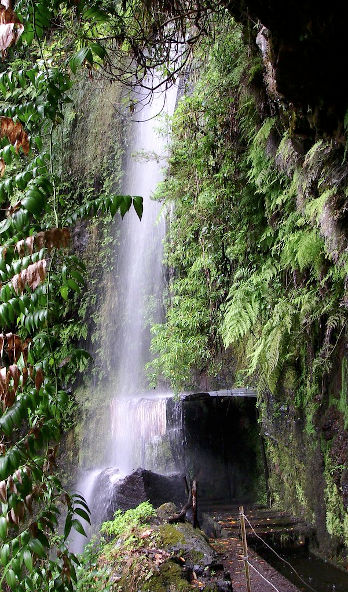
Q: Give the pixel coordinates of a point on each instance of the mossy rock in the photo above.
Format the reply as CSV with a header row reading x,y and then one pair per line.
x,y
187,541
165,511
169,579
171,536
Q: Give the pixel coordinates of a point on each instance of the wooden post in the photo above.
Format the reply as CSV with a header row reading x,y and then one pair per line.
x,y
245,548
194,503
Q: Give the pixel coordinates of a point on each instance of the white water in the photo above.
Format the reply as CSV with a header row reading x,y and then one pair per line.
x,y
138,425
137,421
140,273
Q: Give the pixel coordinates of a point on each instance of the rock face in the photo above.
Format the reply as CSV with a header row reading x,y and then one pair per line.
x,y
114,493
221,446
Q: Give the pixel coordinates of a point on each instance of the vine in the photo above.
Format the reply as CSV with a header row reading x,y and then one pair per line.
x,y
39,274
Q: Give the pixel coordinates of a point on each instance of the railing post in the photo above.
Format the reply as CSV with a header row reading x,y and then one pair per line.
x,y
245,548
194,503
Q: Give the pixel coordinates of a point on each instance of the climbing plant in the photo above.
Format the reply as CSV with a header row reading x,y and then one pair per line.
x,y
39,274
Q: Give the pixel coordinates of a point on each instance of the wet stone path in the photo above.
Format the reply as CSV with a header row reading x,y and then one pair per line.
x,y
232,553
267,524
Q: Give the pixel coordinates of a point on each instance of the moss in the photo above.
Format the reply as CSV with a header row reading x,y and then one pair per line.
x,y
336,515
196,556
289,479
343,400
169,579
290,379
170,535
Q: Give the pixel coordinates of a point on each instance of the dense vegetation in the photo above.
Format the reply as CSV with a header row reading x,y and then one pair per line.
x,y
256,249
39,275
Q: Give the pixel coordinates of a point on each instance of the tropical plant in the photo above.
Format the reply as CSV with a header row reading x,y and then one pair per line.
x,y
39,273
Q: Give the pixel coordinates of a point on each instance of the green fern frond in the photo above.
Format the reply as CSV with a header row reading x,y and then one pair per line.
x,y
315,207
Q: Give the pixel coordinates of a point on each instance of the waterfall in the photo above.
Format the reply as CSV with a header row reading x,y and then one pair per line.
x,y
140,272
137,425
137,418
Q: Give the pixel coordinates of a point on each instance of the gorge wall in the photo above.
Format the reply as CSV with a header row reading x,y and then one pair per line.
x,y
257,253
256,250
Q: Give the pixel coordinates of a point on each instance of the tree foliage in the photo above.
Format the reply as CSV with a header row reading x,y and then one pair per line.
x,y
39,275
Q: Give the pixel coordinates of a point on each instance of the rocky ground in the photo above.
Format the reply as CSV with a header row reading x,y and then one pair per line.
x,y
158,556
163,557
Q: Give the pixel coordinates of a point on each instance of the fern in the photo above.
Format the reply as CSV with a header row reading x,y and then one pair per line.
x,y
303,249
269,353
315,207
246,302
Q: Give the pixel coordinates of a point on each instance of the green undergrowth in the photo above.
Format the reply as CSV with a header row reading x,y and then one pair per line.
x,y
128,520
138,551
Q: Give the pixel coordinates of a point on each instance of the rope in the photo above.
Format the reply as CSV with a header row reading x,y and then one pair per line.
x,y
263,577
279,556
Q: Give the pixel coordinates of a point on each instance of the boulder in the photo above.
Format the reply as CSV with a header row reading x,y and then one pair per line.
x,y
113,492
142,485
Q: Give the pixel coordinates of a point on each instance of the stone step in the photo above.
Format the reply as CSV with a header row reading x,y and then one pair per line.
x,y
270,524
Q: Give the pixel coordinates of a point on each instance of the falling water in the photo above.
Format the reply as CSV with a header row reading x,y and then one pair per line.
x,y
137,426
137,419
140,274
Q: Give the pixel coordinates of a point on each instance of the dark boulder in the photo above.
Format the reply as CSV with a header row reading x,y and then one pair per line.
x,y
142,485
112,492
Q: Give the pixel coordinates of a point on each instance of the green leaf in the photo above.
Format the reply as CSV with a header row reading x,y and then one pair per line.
x,y
3,528
7,154
64,290
78,59
83,514
11,579
16,565
78,276
25,537
36,547
115,204
4,225
138,205
67,526
34,202
78,526
38,142
125,204
96,14
73,285
98,49
4,554
28,559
